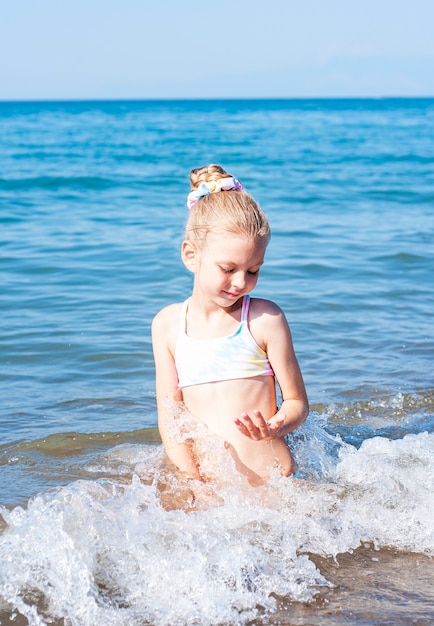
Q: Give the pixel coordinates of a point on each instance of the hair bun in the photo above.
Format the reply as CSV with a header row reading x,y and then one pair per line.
x,y
207,174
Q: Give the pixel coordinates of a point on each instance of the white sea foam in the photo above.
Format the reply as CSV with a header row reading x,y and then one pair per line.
x,y
111,552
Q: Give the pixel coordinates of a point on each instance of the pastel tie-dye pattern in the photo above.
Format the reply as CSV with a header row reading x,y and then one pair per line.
x,y
204,189
238,355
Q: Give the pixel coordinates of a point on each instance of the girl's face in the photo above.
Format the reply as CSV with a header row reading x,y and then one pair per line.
x,y
227,267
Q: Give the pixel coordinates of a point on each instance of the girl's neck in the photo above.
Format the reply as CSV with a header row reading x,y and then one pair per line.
x,y
207,318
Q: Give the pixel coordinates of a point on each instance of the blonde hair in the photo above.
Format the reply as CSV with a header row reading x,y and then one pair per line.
x,y
232,211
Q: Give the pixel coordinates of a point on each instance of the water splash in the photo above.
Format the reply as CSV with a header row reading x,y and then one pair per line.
x,y
139,549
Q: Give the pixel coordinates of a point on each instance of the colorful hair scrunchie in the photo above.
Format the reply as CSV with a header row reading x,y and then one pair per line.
x,y
223,184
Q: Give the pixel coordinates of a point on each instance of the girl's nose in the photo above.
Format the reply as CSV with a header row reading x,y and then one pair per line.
x,y
239,280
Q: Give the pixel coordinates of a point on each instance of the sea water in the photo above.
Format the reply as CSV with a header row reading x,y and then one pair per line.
x,y
94,527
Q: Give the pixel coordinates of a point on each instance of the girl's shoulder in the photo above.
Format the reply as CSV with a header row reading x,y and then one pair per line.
x,y
165,326
169,315
261,306
267,321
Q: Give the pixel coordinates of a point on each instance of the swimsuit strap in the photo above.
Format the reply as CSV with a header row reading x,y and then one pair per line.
x,y
183,318
245,308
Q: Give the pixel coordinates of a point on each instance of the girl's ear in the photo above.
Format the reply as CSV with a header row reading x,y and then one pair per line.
x,y
189,255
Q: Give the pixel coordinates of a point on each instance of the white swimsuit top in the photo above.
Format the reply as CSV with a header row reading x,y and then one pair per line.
x,y
238,355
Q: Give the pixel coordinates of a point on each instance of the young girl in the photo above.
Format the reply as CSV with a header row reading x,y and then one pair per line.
x,y
220,352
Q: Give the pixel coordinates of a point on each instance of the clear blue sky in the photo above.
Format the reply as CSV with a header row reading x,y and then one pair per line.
x,y
81,49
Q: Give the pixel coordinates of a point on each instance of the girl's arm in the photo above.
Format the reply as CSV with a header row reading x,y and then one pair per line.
x,y
167,393
269,323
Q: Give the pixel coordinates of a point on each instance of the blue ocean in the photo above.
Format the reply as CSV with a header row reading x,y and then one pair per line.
x,y
93,530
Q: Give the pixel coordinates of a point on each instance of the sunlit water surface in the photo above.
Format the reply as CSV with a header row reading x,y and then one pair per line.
x,y
95,528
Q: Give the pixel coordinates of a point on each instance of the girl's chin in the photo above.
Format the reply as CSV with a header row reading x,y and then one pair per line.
x,y
229,299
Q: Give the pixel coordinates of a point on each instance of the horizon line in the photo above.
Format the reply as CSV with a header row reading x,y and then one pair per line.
x,y
210,99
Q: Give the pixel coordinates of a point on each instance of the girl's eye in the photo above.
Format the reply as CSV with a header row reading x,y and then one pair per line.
x,y
227,270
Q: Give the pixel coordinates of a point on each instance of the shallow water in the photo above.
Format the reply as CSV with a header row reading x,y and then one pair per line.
x,y
95,529
125,544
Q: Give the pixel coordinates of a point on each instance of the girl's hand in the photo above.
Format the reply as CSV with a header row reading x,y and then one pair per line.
x,y
258,428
